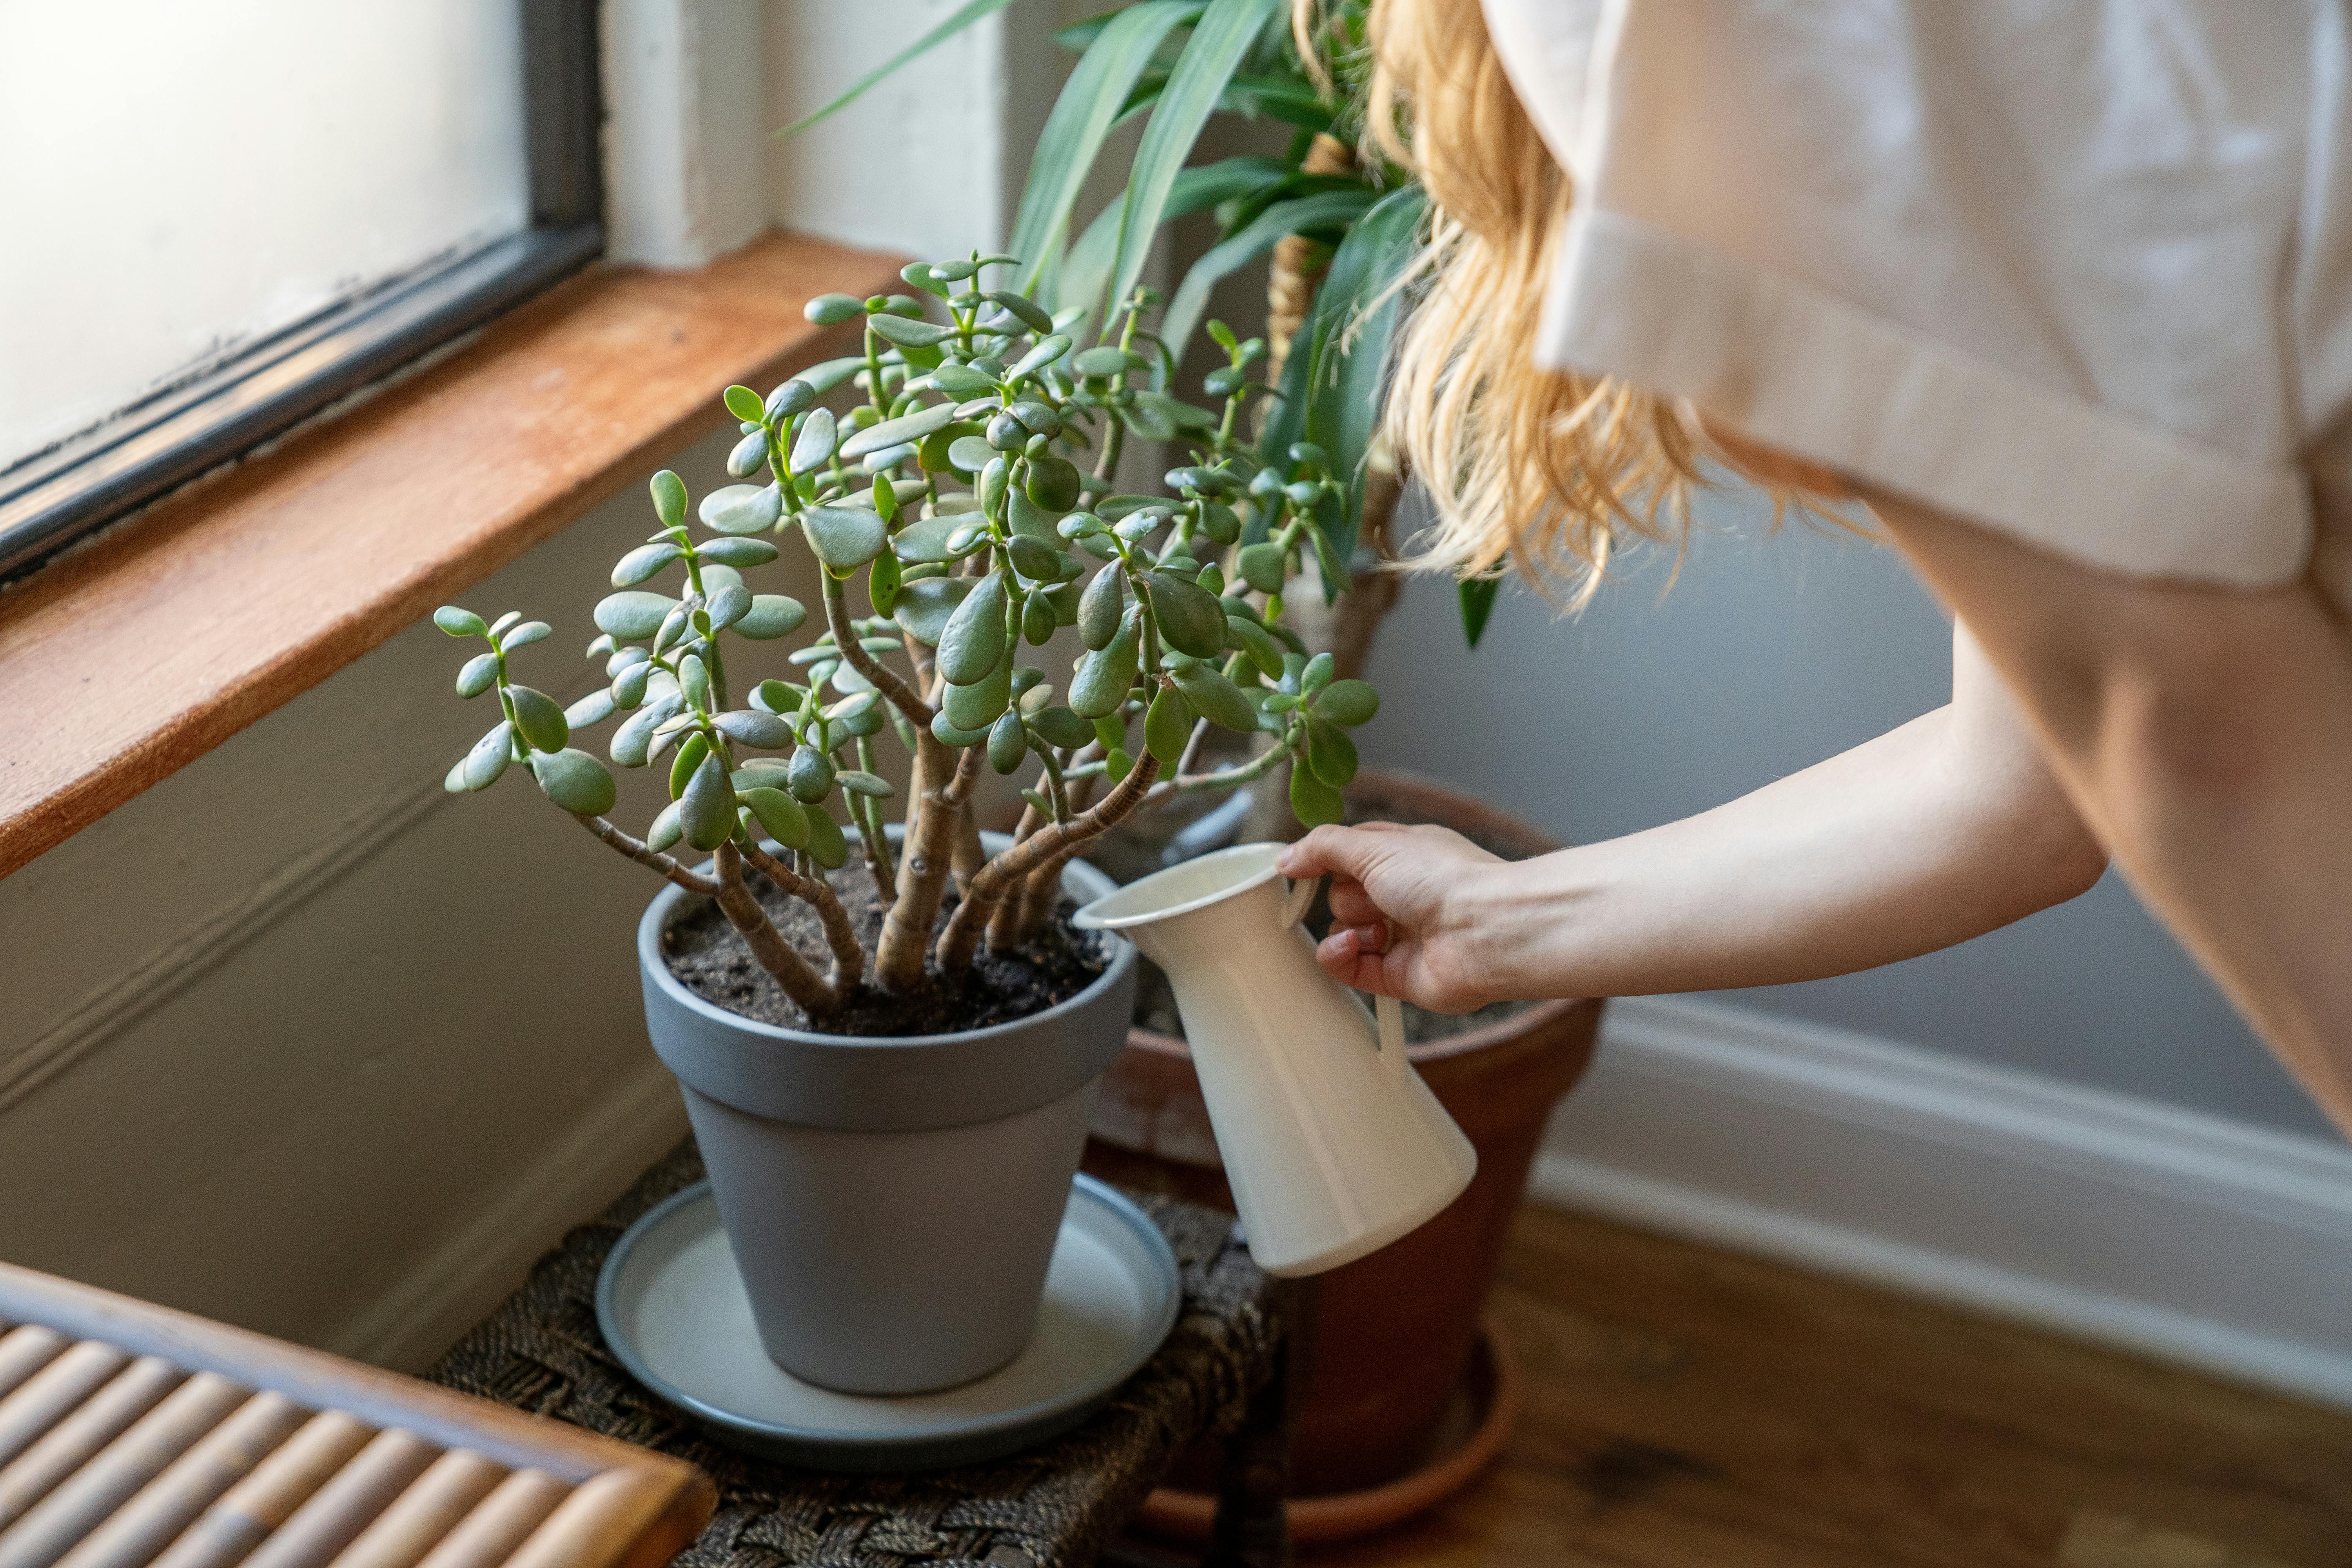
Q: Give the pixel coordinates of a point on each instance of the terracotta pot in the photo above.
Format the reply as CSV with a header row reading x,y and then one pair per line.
x,y
1394,1332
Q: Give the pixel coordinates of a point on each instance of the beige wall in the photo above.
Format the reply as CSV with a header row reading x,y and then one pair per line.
x,y
297,1040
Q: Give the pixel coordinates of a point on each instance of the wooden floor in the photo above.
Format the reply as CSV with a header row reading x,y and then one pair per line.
x,y
1688,1408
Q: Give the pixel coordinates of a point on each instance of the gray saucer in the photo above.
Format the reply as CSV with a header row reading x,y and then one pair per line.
x,y
672,1310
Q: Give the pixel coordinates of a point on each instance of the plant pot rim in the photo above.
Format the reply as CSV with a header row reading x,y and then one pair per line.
x,y
669,905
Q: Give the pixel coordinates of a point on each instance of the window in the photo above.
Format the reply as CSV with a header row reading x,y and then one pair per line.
x,y
222,216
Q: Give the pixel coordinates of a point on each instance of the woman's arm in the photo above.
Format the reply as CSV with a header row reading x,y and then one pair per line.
x,y
2207,734
1933,833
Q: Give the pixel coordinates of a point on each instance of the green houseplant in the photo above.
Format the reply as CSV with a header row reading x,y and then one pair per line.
x,y
1339,229
966,492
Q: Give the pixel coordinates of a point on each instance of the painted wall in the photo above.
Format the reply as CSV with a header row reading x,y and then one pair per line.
x,y
1771,652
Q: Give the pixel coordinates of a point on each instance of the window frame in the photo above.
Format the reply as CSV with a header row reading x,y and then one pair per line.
x,y
65,492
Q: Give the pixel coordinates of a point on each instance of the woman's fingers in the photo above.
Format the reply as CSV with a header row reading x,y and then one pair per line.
x,y
1347,959
1350,905
1343,851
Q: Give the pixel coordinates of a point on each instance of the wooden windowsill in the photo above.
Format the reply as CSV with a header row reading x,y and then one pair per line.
x,y
129,659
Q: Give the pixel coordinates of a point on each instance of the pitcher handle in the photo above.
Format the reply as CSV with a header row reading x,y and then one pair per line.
x,y
1388,1012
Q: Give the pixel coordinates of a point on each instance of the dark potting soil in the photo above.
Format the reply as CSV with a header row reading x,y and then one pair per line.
x,y
1155,999
709,959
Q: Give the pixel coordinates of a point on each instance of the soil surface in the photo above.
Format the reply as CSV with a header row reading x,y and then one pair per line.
x,y
1155,999
710,960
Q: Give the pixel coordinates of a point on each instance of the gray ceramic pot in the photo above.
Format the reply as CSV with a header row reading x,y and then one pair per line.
x,y
892,1202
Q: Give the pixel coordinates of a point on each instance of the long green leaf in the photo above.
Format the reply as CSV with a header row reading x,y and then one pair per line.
x,y
1477,597
1333,385
1091,102
1331,209
1203,186
964,17
1221,41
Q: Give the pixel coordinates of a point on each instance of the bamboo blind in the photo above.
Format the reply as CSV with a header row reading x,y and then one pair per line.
x,y
131,1436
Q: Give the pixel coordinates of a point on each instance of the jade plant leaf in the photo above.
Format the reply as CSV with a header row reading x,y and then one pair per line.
x,y
844,537
576,782
924,607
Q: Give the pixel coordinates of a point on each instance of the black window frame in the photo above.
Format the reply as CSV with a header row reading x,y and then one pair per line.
x,y
69,491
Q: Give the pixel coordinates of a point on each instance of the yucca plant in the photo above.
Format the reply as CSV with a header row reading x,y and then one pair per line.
x,y
1342,232
954,490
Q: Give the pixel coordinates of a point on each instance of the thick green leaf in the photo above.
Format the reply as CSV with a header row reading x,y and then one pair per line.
x,y
633,615
576,782
750,727
591,710
825,844
479,674
771,615
1058,726
844,536
1218,701
745,552
665,831
893,432
1191,619
1307,215
1347,702
459,622
1101,605
670,498
956,22
1254,640
540,719
925,605
647,560
1313,802
1330,753
1221,41
976,705
707,810
737,509
973,645
744,404
1091,102
1167,725
820,433
809,775
489,757
1100,682
785,818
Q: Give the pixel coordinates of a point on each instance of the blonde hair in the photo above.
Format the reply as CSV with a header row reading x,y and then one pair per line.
x,y
1547,469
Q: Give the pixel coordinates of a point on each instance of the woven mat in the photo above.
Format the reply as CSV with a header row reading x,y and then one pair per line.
x,y
1052,1507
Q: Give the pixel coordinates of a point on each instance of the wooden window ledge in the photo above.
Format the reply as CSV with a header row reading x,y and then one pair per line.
x,y
144,650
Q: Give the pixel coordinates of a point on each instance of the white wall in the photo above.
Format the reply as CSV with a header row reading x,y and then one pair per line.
x,y
1770,652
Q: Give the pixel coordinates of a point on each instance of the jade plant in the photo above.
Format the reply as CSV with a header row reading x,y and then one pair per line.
x,y
970,487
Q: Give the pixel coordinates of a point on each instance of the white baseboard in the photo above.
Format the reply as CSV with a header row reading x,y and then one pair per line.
x,y
2186,1237
469,1274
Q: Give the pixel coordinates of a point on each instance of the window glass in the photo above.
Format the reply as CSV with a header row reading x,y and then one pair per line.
x,y
181,178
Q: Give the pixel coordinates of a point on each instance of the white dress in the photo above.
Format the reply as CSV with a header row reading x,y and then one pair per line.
x,y
2081,271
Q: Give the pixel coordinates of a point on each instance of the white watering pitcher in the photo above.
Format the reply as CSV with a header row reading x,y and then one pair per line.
x,y
1332,1145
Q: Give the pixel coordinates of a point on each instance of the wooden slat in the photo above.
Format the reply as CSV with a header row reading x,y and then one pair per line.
x,y
26,1351
338,1512
421,1517
382,1399
229,1530
500,1522
118,1470
44,1398
356,528
74,1441
614,1522
132,1535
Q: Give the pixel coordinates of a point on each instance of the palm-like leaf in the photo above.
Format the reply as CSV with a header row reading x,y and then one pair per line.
x,y
1332,385
964,17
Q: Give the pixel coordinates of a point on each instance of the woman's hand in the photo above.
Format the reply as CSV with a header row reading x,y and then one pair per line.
x,y
1404,907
